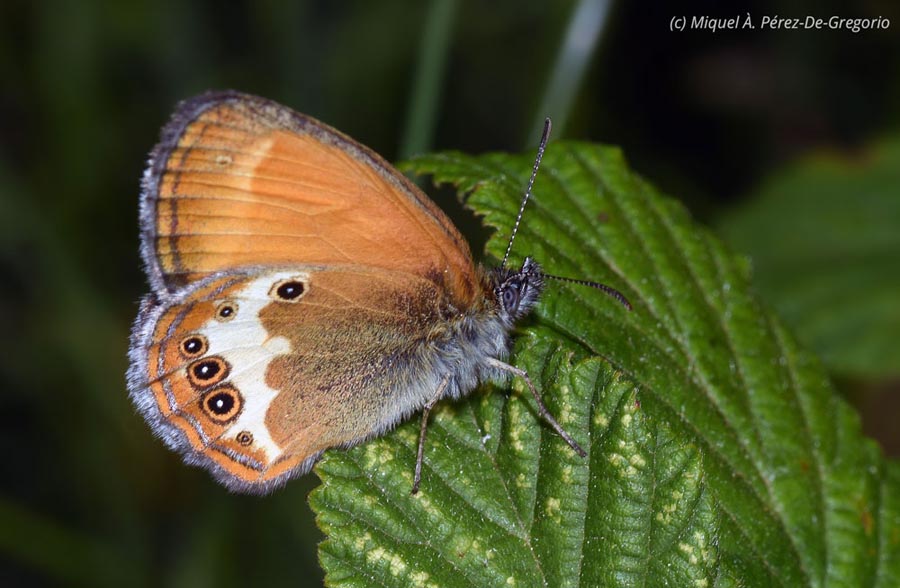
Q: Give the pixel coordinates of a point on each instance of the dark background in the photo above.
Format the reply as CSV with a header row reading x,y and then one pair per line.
x,y
88,497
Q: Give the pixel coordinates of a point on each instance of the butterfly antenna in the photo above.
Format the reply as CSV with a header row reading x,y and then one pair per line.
x,y
602,287
545,136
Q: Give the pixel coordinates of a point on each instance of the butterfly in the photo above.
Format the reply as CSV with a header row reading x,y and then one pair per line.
x,y
304,295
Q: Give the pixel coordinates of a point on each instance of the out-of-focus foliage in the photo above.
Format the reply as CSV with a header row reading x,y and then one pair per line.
x,y
824,239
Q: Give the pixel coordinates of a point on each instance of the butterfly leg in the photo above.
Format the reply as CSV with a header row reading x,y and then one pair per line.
x,y
542,410
425,411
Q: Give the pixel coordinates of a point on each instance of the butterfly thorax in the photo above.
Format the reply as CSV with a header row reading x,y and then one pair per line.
x,y
462,346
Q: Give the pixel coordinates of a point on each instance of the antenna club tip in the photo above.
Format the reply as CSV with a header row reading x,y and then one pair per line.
x,y
620,297
545,136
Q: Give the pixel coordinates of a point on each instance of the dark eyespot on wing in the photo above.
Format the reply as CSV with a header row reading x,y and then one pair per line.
x,y
208,371
226,310
290,289
222,404
194,346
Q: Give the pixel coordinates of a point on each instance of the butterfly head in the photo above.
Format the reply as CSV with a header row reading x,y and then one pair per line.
x,y
517,291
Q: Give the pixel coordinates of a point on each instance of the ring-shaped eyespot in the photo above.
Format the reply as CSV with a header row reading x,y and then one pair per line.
x,y
222,404
244,438
226,310
207,372
193,346
289,290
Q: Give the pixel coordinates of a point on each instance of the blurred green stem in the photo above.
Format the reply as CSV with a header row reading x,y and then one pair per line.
x,y
429,76
575,52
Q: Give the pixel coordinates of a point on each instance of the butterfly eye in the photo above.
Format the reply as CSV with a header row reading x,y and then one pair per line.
x,y
194,346
226,311
222,404
510,299
290,290
245,438
207,372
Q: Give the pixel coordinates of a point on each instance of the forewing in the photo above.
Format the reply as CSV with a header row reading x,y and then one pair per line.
x,y
241,181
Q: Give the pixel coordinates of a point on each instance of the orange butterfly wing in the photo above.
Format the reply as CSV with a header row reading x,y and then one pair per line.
x,y
242,181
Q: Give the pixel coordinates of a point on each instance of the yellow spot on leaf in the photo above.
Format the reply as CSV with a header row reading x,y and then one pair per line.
x,y
552,508
409,436
375,555
377,454
361,542
398,566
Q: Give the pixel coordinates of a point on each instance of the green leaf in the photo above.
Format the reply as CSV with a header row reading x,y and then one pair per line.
x,y
719,454
824,237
